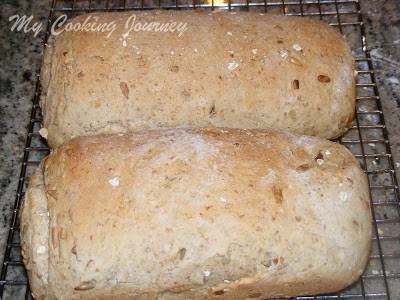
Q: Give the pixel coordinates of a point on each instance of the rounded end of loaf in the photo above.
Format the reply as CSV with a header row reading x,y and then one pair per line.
x,y
34,217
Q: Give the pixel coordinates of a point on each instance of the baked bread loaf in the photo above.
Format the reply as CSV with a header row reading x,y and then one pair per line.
x,y
195,214
237,70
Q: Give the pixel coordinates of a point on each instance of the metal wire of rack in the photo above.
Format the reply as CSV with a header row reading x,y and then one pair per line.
x,y
367,139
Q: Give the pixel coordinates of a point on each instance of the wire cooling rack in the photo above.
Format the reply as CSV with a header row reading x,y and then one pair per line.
x,y
367,139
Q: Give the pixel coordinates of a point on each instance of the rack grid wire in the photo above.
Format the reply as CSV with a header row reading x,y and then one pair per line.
x,y
367,139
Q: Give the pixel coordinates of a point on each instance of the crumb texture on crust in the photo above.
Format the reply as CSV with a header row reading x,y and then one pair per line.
x,y
242,70
202,214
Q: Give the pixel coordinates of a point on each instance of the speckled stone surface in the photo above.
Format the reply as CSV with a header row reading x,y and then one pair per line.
x,y
382,22
20,56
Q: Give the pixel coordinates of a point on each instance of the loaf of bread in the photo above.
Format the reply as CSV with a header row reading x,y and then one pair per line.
x,y
237,70
195,214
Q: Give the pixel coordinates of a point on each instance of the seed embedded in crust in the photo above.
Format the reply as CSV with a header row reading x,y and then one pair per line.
x,y
86,285
54,237
303,167
114,181
296,84
350,181
44,133
212,110
319,156
221,292
297,48
41,250
174,69
232,65
124,88
278,195
63,233
295,61
283,53
323,78
267,263
181,253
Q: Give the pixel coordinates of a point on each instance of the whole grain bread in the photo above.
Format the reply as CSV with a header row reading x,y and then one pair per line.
x,y
195,214
238,70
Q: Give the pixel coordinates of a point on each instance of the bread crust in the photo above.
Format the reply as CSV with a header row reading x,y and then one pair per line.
x,y
242,70
35,234
198,214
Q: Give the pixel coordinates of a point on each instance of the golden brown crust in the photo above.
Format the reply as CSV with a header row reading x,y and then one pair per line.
x,y
242,70
203,214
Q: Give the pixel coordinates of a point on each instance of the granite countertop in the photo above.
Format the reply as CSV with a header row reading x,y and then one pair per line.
x,y
20,62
